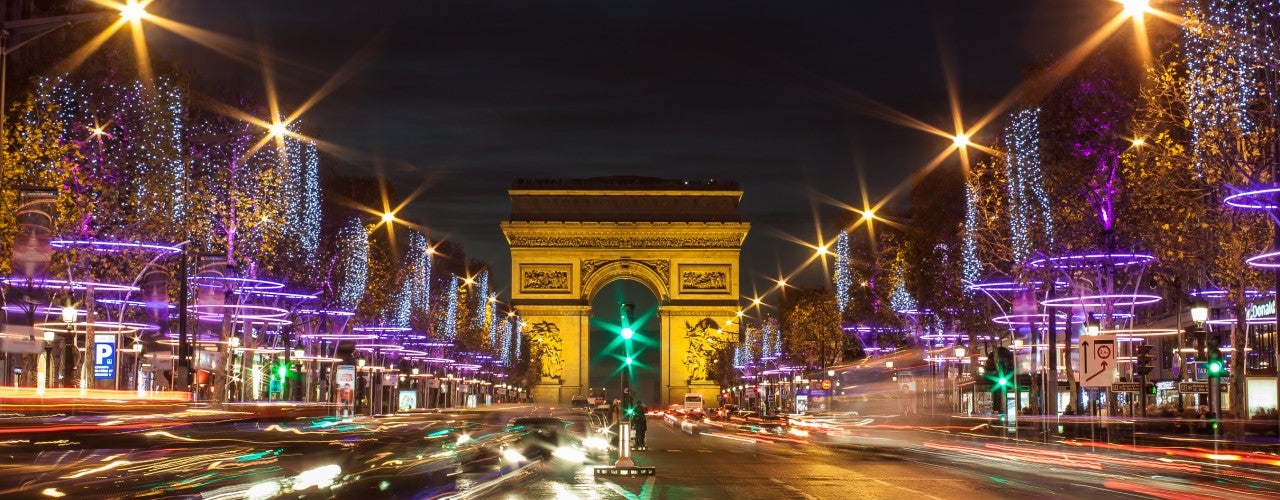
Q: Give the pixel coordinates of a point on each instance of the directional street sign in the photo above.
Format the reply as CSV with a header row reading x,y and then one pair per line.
x,y
1197,387
1126,387
1098,360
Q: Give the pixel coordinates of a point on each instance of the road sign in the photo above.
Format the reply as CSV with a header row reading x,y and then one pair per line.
x,y
104,355
1098,360
1126,387
826,384
1197,387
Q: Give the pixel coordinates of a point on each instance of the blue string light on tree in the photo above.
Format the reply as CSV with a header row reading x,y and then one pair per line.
x,y
972,267
1029,216
901,300
481,295
449,328
1227,45
132,178
352,243
418,267
505,341
309,226
844,275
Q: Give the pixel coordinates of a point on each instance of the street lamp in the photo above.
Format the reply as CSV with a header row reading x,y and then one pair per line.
x,y
1199,311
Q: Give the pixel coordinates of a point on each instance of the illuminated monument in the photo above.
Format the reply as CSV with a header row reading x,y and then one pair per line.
x,y
680,239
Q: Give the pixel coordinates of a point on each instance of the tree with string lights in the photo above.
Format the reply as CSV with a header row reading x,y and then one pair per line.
x,y
1209,108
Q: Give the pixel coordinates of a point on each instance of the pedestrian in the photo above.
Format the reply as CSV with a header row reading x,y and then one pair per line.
x,y
640,422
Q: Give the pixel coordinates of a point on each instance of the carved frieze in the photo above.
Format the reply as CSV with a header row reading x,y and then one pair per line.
x,y
704,278
567,241
545,278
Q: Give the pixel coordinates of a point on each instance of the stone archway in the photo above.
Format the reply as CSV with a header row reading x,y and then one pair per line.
x,y
571,238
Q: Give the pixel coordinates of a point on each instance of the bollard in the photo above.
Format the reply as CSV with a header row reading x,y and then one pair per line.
x,y
624,445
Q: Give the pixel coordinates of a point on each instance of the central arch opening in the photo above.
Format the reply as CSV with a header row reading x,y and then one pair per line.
x,y
624,338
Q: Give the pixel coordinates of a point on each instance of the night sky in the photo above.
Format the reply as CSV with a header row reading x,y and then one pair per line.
x,y
471,95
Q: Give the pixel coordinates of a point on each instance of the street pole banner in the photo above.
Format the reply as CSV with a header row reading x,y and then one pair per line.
x,y
104,355
1097,360
32,246
155,294
211,291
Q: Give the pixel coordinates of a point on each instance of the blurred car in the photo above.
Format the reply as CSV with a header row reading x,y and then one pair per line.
x,y
579,402
691,426
673,417
751,421
544,438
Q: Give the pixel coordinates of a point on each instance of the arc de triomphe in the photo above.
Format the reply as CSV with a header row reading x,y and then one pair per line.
x,y
680,239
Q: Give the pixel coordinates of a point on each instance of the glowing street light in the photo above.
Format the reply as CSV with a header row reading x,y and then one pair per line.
x,y
1139,142
278,130
1135,8
868,214
961,140
69,314
389,217
133,11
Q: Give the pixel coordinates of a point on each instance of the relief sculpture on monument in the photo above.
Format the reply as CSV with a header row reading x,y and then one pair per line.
x,y
701,347
545,346
545,278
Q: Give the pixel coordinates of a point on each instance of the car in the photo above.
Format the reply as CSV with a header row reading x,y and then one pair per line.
x,y
544,438
579,402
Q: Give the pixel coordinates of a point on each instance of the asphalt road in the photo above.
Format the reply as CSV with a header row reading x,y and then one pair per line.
x,y
430,455
727,465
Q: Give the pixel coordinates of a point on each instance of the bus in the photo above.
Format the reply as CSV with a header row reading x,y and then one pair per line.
x,y
693,402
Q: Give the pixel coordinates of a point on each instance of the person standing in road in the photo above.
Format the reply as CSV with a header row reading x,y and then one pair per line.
x,y
640,423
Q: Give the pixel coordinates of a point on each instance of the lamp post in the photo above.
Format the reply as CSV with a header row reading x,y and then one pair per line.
x,y
1200,315
47,379
960,352
137,365
69,318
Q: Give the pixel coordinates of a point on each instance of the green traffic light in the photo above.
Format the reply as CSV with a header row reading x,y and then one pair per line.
x,y
1215,367
1003,381
627,333
628,360
281,370
631,412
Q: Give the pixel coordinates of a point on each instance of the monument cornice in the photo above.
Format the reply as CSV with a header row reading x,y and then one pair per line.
x,y
625,234
629,193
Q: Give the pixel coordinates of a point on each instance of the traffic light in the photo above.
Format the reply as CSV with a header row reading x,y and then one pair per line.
x,y
281,370
1142,365
1215,367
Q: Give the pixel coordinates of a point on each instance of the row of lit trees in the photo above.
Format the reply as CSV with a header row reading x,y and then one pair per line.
x,y
1114,156
135,161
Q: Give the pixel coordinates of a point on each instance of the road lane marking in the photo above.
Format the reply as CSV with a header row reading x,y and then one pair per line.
x,y
793,489
704,451
646,490
674,451
904,488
